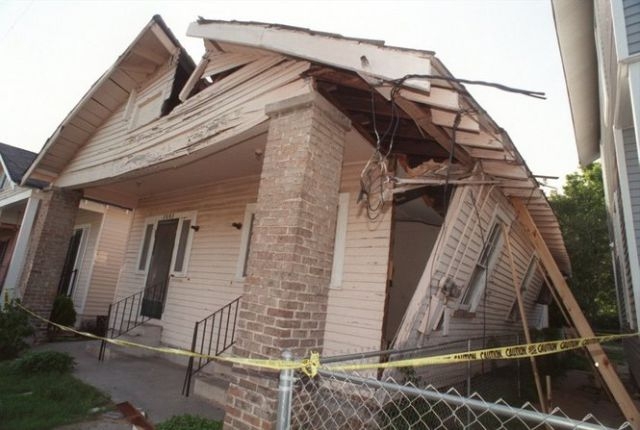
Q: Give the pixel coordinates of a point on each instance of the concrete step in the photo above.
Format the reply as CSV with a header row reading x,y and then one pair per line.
x,y
145,334
219,369
211,388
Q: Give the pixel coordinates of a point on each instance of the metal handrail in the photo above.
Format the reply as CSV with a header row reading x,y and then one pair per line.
x,y
126,314
212,336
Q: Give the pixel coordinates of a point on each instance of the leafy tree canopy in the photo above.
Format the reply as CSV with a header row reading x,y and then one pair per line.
x,y
582,215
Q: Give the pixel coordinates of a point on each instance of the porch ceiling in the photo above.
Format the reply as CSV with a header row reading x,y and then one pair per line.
x,y
241,160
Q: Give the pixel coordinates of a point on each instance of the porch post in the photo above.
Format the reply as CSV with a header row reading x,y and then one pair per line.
x,y
289,268
14,272
47,248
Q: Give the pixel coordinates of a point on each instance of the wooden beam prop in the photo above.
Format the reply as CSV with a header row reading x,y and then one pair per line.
x,y
523,318
598,356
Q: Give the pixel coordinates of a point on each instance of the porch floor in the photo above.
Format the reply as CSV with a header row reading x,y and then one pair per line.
x,y
151,384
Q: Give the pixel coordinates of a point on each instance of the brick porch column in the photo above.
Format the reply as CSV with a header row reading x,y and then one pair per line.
x,y
289,268
47,249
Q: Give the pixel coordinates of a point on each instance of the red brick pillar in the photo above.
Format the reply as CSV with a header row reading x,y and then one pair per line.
x,y
47,249
289,269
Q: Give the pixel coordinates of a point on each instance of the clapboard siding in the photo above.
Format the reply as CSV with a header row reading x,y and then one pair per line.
x,y
632,24
210,282
356,308
107,260
633,179
92,221
462,237
224,110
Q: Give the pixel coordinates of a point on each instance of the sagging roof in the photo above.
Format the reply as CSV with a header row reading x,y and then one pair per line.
x,y
16,161
574,21
430,101
154,46
412,86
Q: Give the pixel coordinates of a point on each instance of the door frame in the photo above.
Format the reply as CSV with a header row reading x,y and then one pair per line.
x,y
154,220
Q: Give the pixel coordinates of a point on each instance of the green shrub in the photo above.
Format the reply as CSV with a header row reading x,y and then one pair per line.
x,y
63,312
14,328
44,362
189,422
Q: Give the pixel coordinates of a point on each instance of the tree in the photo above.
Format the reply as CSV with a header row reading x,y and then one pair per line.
x,y
582,215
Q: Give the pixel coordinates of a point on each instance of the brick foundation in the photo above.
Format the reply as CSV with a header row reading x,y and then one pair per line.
x,y
47,249
285,294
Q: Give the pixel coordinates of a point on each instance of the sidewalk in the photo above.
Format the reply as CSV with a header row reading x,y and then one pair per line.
x,y
151,384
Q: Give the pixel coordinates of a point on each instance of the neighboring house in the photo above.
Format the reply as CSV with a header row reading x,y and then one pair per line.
x,y
600,47
95,248
255,174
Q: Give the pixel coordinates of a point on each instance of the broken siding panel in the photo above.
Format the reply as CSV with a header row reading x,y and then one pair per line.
x,y
108,260
210,282
225,109
355,309
490,317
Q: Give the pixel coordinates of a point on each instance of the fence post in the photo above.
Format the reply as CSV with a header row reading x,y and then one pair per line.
x,y
285,389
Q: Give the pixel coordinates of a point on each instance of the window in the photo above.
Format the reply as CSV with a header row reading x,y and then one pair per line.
x,y
340,241
514,312
245,240
484,265
181,247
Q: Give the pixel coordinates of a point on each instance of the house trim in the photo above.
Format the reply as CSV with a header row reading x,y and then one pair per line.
x,y
625,197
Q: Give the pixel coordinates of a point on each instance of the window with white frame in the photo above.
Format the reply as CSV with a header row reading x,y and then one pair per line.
x,y
182,245
514,311
340,241
480,276
245,240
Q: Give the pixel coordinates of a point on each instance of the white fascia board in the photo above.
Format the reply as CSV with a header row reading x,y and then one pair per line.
x,y
16,198
358,56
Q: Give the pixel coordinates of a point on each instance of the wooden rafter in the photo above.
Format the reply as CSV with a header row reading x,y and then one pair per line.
x,y
599,357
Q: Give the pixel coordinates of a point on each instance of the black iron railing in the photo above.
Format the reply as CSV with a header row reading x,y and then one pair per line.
x,y
212,336
133,311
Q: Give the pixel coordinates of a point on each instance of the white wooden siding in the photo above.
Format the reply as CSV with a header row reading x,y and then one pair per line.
x,y
356,308
455,255
210,281
107,260
93,220
224,110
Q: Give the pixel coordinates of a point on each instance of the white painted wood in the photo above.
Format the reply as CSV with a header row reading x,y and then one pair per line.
x,y
20,251
19,195
340,241
349,54
193,79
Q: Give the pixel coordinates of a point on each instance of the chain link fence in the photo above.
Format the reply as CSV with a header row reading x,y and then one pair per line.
x,y
472,395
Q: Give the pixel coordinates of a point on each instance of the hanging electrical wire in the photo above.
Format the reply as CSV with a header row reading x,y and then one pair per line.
x,y
534,94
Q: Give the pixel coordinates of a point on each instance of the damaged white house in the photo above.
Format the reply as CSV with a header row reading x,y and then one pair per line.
x,y
305,191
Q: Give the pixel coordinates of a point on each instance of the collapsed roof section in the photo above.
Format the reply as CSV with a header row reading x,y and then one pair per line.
x,y
427,113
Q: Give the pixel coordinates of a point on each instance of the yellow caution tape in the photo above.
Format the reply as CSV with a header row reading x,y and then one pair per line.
x,y
500,353
310,366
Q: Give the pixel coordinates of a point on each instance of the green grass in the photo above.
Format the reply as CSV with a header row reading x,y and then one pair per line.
x,y
43,401
189,422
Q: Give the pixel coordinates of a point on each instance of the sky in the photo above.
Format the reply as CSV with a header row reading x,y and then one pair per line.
x,y
53,51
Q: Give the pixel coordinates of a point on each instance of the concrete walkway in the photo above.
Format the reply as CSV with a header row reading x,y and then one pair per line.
x,y
151,384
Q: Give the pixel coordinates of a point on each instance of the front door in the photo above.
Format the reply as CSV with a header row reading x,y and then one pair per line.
x,y
159,267
71,264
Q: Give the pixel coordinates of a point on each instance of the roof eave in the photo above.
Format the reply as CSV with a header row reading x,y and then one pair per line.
x,y
574,22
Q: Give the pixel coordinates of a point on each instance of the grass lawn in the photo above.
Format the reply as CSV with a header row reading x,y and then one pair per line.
x,y
43,401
